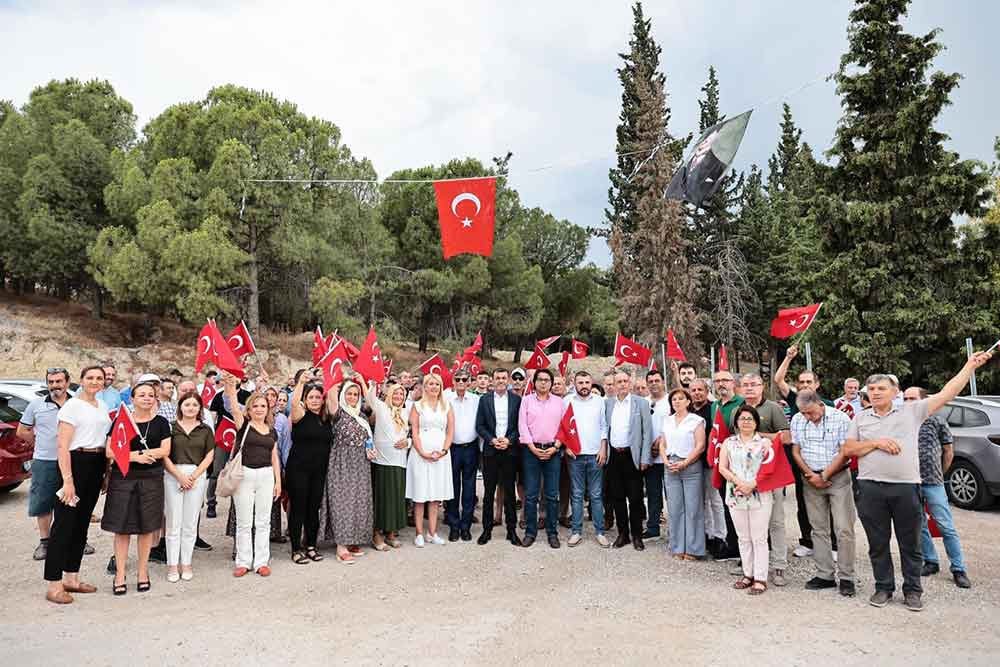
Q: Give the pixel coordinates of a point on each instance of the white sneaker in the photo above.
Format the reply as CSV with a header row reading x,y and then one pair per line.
x,y
603,541
437,539
834,556
173,577
418,541
574,539
187,575
802,552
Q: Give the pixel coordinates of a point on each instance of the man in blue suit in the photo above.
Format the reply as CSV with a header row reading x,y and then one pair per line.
x,y
630,436
496,424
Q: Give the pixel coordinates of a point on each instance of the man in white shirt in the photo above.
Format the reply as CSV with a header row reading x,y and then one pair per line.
x,y
585,468
464,458
653,474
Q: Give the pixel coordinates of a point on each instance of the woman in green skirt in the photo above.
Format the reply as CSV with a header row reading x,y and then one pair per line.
x,y
392,419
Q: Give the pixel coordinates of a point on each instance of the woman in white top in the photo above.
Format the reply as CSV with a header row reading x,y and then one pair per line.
x,y
81,438
428,470
682,442
392,427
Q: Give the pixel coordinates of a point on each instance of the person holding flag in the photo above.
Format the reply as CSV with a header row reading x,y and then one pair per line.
x,y
81,438
586,466
682,443
740,458
135,501
392,444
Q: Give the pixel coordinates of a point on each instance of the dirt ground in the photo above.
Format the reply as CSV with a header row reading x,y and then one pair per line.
x,y
466,604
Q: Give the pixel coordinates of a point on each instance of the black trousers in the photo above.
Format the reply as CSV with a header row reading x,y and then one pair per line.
x,y
499,467
625,484
68,536
305,481
886,507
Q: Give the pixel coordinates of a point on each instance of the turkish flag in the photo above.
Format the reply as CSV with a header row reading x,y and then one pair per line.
x,y
320,346
544,343
203,353
568,434
775,472
564,363
538,360
627,351
720,431
723,358
225,433
580,349
240,341
791,321
674,350
932,525
122,432
436,365
369,362
208,392
350,349
475,365
466,215
388,366
332,366
222,356
474,349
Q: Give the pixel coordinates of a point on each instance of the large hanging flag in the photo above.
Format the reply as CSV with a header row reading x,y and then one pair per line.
x,y
122,432
720,431
791,321
627,351
567,433
437,366
225,433
775,472
369,362
240,341
700,174
674,350
466,215
580,349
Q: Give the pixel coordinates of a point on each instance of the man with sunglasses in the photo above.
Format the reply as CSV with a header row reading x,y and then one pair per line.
x,y
464,458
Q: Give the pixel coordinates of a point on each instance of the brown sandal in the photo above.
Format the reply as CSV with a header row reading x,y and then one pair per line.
x,y
62,597
757,588
744,582
80,588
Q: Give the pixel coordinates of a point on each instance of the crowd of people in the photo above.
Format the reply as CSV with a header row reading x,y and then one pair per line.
x,y
355,465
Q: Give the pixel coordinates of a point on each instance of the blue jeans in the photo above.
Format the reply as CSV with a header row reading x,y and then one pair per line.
x,y
534,471
937,501
463,477
584,470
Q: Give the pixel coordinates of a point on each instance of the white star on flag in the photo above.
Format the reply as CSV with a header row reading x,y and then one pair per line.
x,y
466,222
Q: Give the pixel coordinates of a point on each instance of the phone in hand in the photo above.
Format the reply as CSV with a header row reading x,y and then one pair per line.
x,y
60,493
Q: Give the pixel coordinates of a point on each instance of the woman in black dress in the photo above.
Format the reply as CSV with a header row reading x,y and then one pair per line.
x,y
305,472
135,501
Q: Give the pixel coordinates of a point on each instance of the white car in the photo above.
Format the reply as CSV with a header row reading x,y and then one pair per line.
x,y
27,391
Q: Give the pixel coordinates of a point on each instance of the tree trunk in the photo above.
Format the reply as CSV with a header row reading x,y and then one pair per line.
x,y
371,309
253,299
147,328
98,312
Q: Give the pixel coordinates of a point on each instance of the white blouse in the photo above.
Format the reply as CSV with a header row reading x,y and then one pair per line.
x,y
680,437
386,433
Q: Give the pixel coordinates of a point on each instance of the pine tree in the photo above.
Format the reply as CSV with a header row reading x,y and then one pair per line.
x,y
780,163
886,207
654,283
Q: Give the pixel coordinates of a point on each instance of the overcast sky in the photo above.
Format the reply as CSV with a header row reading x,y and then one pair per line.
x,y
411,84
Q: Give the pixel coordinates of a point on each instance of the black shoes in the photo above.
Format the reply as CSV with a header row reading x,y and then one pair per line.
x,y
210,512
554,541
514,539
847,588
880,598
818,584
484,538
961,579
528,541
637,544
466,535
112,567
201,545
929,568
453,535
912,601
158,554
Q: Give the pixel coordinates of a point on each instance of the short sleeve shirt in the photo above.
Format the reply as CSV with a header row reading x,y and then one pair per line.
x,y
42,414
902,423
820,443
90,424
934,433
772,418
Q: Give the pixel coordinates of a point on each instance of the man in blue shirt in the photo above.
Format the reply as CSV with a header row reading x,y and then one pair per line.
x,y
111,396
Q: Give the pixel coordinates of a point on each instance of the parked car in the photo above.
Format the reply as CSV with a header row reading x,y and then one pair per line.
x,y
28,390
973,482
15,454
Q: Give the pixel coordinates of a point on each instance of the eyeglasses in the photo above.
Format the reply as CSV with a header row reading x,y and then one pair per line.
x,y
461,379
745,418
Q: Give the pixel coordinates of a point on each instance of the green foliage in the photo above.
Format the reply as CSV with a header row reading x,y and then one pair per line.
x,y
333,302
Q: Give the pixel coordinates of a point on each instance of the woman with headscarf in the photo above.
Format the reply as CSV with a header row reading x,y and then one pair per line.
x,y
392,441
346,515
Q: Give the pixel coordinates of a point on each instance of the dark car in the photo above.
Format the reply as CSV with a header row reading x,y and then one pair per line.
x,y
973,482
15,454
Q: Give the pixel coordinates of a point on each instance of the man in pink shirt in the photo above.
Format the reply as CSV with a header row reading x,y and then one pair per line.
x,y
538,424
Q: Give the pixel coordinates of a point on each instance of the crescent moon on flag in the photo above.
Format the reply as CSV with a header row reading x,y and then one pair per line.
x,y
625,350
435,369
208,344
236,337
121,430
769,457
225,435
799,322
465,196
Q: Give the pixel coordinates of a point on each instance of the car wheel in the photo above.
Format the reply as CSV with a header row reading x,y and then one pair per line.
x,y
966,487
9,488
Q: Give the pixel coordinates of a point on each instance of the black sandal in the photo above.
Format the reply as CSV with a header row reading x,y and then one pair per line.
x,y
119,589
299,558
314,555
143,586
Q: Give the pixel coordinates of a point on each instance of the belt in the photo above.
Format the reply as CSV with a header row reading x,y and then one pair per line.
x,y
834,474
621,449
90,450
464,444
544,445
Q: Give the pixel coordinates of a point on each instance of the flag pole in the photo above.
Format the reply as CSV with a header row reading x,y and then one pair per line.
x,y
972,378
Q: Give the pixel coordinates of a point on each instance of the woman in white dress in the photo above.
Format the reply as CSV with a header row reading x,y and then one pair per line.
x,y
428,469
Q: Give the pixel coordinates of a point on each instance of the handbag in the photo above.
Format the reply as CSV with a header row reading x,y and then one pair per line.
x,y
232,473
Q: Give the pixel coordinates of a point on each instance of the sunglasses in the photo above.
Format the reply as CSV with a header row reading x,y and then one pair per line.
x,y
461,379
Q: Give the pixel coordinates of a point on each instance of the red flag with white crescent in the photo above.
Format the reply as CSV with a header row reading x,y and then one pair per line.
x,y
332,365
544,343
122,431
627,351
466,215
240,341
580,349
720,431
369,363
437,366
538,360
775,472
791,321
564,363
208,392
320,346
674,350
474,349
203,352
222,356
225,433
568,433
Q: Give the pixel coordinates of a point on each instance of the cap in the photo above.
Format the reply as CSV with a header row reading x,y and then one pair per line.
x,y
148,378
518,371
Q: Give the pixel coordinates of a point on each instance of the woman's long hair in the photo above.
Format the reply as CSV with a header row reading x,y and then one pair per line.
x,y
441,403
262,396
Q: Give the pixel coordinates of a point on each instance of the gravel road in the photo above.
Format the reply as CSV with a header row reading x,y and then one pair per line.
x,y
466,604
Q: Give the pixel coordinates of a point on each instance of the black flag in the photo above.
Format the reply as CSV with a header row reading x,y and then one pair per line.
x,y
699,175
